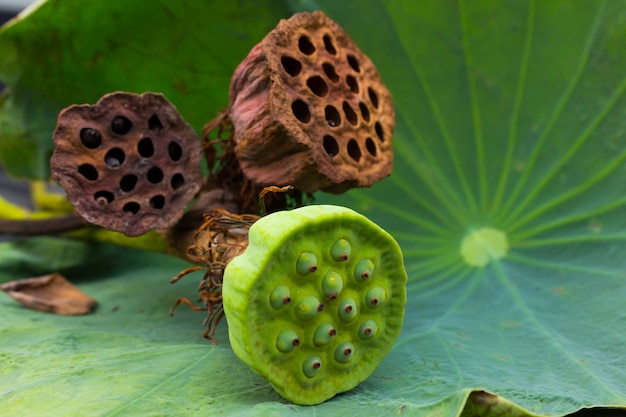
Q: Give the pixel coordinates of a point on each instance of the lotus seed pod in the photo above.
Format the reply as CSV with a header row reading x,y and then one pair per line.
x,y
310,110
129,163
340,340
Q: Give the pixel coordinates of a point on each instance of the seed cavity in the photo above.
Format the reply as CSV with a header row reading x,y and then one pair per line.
x,y
330,72
354,63
352,84
323,334
90,137
103,197
177,181
287,341
344,352
131,208
330,145
332,284
368,330
154,123
128,182
340,251
347,310
157,202
301,110
121,125
175,151
114,158
371,146
280,297
373,97
145,147
306,263
291,65
88,171
333,118
311,366
354,150
308,307
317,85
305,45
364,270
328,44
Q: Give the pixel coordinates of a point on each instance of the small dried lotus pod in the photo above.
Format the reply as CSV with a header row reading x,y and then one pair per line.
x,y
129,163
309,109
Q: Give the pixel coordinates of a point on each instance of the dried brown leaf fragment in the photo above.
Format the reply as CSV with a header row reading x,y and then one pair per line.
x,y
52,293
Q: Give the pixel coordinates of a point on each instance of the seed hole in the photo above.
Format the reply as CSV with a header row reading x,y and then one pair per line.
x,y
301,111
371,146
295,342
174,151
121,125
114,158
155,175
145,147
88,171
157,202
128,182
328,44
103,197
154,123
354,63
330,146
353,150
291,65
305,45
131,207
332,116
90,137
177,181
364,111
317,85
352,83
379,131
350,114
330,72
373,96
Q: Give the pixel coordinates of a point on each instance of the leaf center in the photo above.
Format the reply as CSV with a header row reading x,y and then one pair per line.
x,y
484,245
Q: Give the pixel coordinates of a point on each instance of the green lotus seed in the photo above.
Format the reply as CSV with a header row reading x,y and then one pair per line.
x,y
311,366
308,307
324,334
347,310
340,251
368,329
280,296
332,285
344,352
287,341
307,263
375,297
363,269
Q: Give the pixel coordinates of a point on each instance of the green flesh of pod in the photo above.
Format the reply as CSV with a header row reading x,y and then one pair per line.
x,y
316,300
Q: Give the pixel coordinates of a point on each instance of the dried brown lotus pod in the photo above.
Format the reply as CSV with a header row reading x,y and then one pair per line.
x,y
309,109
129,163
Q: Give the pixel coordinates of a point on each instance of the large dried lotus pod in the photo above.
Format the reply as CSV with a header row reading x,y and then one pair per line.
x,y
309,109
129,163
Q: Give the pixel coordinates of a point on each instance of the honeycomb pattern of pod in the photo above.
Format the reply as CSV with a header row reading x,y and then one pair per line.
x,y
309,109
129,163
316,300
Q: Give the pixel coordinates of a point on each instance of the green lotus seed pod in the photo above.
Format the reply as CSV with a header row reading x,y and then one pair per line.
x,y
347,310
308,307
332,285
311,366
340,251
287,341
324,334
283,248
368,330
364,270
280,296
307,263
344,352
375,297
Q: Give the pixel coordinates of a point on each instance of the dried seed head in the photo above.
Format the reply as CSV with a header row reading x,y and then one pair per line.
x,y
309,109
129,163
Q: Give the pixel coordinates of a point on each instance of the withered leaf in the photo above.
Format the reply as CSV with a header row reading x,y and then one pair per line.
x,y
52,293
